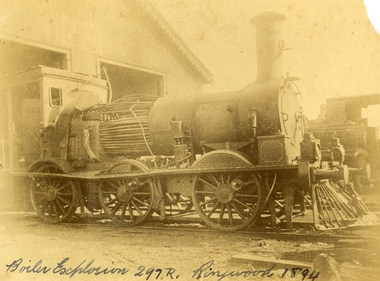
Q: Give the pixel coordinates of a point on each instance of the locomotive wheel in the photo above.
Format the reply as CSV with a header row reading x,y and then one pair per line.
x,y
54,199
226,200
128,201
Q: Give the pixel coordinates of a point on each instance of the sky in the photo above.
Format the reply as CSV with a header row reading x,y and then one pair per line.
x,y
333,47
373,9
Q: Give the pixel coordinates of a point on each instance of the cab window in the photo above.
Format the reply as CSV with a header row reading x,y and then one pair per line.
x,y
55,97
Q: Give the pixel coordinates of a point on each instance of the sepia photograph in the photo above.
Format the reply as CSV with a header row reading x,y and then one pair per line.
x,y
207,140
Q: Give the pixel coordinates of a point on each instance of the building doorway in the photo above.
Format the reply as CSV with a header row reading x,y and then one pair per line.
x,y
17,57
129,81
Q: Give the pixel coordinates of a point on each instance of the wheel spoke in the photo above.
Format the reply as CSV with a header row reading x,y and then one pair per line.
x,y
60,206
58,182
216,181
63,200
141,193
65,194
116,208
38,192
238,211
243,204
55,209
50,210
228,178
109,192
204,192
112,184
206,182
231,218
52,180
111,202
221,213
141,202
213,209
249,183
130,212
245,195
137,208
123,210
67,184
206,202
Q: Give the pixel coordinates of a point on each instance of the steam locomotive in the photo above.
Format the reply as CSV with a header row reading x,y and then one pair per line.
x,y
341,117
226,156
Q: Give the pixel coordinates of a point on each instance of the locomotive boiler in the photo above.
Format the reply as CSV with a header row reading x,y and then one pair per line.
x,y
224,156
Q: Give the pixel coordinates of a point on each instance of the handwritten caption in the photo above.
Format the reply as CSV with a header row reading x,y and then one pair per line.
x,y
205,271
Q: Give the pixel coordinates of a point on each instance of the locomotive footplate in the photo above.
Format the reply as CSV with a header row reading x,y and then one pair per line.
x,y
99,175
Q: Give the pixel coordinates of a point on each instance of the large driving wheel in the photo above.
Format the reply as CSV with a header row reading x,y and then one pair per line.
x,y
227,200
54,199
128,201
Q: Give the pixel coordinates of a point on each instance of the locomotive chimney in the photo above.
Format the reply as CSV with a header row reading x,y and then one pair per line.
x,y
269,46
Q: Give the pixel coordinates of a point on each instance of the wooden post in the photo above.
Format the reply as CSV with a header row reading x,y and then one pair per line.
x,y
272,209
271,203
289,201
315,206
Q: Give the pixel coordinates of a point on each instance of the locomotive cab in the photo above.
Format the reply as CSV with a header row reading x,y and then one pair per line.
x,y
34,99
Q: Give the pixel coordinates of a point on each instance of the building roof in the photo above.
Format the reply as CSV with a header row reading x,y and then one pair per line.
x,y
359,100
177,41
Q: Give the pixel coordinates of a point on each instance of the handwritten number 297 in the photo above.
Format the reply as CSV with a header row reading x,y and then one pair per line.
x,y
141,271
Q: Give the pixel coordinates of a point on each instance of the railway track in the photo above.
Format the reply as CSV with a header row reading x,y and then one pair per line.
x,y
302,231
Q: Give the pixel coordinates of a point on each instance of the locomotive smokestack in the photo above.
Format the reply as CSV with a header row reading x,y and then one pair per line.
x,y
269,46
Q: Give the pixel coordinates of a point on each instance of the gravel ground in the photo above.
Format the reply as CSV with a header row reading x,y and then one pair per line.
x,y
32,250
